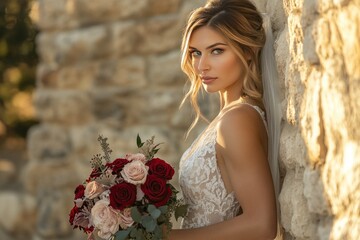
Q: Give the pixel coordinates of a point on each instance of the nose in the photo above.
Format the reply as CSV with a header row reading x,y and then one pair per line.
x,y
203,64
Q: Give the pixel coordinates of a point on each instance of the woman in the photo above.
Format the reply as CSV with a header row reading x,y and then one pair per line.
x,y
225,176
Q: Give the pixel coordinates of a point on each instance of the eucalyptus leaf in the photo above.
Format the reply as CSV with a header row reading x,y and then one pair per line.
x,y
133,232
139,235
122,235
158,233
149,223
135,214
151,208
155,214
163,209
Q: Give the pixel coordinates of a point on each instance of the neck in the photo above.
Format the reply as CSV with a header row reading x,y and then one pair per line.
x,y
227,98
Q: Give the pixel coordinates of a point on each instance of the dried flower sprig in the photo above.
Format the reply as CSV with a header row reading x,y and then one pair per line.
x,y
105,148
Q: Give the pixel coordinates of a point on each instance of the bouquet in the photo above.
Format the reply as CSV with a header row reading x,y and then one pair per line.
x,y
128,198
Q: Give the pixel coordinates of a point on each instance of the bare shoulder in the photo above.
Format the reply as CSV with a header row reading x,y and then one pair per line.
x,y
244,119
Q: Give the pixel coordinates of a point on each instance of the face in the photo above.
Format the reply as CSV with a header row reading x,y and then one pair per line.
x,y
215,62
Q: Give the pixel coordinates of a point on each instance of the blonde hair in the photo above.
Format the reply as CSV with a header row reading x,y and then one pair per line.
x,y
240,24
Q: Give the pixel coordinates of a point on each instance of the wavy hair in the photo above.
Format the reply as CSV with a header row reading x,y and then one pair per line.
x,y
240,24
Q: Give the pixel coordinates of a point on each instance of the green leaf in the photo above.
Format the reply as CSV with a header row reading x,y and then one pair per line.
x,y
133,233
163,209
154,212
135,214
158,232
122,235
180,211
149,223
137,234
151,208
139,143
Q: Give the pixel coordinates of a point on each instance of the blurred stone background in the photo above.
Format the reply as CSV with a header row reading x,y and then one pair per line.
x,y
112,68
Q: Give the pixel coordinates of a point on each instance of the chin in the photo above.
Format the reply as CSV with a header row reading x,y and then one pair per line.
x,y
210,89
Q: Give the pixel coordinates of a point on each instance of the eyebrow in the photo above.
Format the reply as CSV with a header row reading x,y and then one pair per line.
x,y
212,45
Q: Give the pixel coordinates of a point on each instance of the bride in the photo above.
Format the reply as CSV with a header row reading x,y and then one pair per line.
x,y
229,175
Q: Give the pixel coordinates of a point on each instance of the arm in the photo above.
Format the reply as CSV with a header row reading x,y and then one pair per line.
x,y
242,145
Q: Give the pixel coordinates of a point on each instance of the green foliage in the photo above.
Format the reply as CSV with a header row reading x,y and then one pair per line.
x,y
18,60
148,148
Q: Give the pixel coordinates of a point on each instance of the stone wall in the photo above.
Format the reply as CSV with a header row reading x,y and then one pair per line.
x,y
112,68
107,67
318,56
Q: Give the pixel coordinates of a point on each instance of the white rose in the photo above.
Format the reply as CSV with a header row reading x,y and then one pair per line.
x,y
93,189
126,219
135,172
136,156
105,218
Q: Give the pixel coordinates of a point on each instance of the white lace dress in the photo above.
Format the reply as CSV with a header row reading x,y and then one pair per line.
x,y
202,186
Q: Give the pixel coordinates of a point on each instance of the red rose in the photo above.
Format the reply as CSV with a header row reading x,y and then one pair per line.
x,y
156,190
95,173
160,168
73,211
122,195
79,191
117,165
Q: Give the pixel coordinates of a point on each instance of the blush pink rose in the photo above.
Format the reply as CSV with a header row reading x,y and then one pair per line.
x,y
136,156
126,219
105,218
93,189
135,172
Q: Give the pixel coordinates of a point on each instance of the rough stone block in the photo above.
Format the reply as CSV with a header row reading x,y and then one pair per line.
x,y
282,57
80,76
158,7
109,111
124,73
7,172
295,217
47,176
124,38
154,106
159,34
312,125
292,149
169,75
98,12
49,143
64,107
309,48
66,48
329,48
18,212
350,32
314,192
53,215
57,15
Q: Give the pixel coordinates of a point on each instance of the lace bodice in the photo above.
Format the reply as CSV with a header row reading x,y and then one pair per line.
x,y
202,186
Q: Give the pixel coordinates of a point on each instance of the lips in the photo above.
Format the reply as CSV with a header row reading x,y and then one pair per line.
x,y
207,79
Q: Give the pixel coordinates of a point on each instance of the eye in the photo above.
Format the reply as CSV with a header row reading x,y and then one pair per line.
x,y
217,51
195,53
